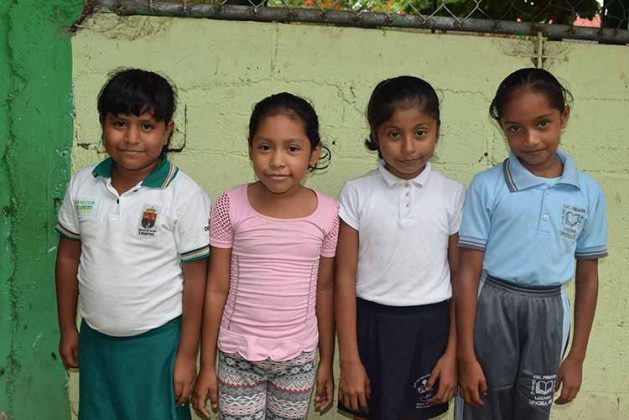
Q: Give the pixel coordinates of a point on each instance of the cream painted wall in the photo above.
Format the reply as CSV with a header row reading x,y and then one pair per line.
x,y
222,68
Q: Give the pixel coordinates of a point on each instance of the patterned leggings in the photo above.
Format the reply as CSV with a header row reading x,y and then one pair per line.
x,y
266,389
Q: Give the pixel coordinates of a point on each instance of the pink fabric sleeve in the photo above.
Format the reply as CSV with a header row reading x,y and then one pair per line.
x,y
329,242
221,229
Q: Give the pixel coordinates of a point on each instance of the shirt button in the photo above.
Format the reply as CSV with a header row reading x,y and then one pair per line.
x,y
545,217
407,185
406,195
547,192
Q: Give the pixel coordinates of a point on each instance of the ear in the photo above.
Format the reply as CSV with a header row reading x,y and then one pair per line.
x,y
565,115
170,127
314,156
438,134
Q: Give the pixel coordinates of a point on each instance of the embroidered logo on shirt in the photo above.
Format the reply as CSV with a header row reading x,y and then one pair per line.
x,y
149,220
85,207
571,220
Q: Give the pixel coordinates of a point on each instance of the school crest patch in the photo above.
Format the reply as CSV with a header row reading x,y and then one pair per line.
x,y
148,221
571,221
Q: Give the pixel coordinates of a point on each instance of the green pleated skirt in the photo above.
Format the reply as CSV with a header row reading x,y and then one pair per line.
x,y
129,378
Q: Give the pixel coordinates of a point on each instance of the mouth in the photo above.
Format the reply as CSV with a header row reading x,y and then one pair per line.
x,y
410,161
277,176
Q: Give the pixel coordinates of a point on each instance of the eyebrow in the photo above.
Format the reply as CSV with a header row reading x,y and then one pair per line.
x,y
289,140
536,118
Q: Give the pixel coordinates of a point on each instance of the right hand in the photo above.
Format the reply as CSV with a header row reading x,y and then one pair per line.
x,y
472,382
69,348
354,387
206,387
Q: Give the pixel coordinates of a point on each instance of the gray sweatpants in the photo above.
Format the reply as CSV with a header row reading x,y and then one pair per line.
x,y
519,337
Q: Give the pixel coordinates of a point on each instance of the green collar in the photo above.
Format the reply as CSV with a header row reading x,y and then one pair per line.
x,y
161,177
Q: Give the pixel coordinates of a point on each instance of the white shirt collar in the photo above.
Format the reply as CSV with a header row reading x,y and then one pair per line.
x,y
391,180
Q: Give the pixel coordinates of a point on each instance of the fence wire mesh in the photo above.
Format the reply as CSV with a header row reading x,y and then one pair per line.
x,y
596,20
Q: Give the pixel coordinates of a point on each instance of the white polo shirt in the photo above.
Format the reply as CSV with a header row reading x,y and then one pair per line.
x,y
133,245
403,228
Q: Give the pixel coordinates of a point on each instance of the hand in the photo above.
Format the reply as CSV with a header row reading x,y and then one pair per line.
x,y
354,387
69,348
569,379
324,395
184,375
445,372
207,386
472,381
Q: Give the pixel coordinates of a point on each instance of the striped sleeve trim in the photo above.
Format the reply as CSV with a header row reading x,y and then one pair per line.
x,y
472,244
195,254
67,233
591,254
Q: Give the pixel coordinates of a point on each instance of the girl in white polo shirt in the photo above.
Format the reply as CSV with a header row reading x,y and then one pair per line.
x,y
397,248
133,253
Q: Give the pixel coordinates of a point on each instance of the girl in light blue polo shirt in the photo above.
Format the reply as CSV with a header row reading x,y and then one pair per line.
x,y
525,223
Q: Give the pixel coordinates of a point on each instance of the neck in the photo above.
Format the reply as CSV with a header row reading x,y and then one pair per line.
x,y
124,179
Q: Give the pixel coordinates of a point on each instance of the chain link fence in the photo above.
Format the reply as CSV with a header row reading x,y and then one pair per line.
x,y
605,21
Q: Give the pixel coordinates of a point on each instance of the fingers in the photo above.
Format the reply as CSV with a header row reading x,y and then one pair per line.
x,y
214,398
186,390
200,398
440,396
568,393
178,391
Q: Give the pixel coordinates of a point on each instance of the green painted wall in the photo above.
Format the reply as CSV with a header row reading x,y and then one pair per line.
x,y
222,68
35,140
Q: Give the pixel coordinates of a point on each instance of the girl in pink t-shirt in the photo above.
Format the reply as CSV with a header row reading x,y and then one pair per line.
x,y
269,295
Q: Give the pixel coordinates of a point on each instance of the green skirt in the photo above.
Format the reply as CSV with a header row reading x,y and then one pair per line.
x,y
129,378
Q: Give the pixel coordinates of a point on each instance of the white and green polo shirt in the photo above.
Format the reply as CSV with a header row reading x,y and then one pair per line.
x,y
132,245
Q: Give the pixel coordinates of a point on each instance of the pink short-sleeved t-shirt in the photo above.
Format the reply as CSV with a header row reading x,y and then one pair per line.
x,y
270,309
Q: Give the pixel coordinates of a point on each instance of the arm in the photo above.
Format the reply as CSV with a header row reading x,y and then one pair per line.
x,y
325,322
354,387
67,285
215,297
194,274
471,378
571,370
445,368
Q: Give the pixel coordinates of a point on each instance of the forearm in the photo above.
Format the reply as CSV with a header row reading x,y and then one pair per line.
x,y
325,323
586,294
465,315
345,308
212,314
67,287
192,307
452,339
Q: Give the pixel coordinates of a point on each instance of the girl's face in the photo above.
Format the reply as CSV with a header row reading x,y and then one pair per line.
x,y
281,153
532,128
407,141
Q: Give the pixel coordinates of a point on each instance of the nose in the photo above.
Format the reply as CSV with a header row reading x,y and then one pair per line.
x,y
132,134
408,145
277,159
532,138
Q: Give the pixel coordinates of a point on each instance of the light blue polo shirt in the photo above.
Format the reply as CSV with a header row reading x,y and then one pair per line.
x,y
531,229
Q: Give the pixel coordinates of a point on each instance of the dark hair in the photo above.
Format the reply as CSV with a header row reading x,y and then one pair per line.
x,y
135,91
392,93
530,79
295,108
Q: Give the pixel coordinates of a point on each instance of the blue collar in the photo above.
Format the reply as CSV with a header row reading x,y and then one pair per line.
x,y
519,178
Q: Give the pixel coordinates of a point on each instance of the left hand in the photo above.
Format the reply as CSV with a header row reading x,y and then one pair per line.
x,y
445,372
184,375
569,379
324,395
